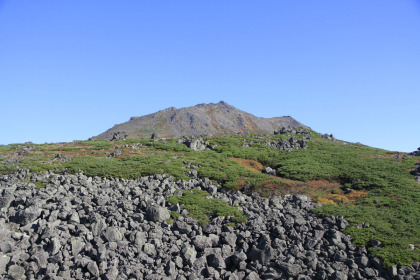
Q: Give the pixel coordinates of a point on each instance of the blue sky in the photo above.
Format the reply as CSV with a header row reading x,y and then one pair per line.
x,y
72,69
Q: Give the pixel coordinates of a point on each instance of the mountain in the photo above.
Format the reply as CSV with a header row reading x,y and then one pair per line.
x,y
219,119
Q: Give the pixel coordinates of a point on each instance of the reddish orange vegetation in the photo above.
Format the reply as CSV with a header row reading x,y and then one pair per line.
x,y
338,198
323,200
322,191
272,187
249,164
355,195
394,197
239,184
349,198
323,185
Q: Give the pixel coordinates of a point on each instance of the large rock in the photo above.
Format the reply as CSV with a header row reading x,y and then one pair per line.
x,y
157,213
28,215
216,261
196,144
4,261
93,269
41,259
290,269
16,272
201,242
6,200
189,254
113,234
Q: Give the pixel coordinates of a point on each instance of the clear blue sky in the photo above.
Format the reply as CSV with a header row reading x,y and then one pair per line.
x,y
72,69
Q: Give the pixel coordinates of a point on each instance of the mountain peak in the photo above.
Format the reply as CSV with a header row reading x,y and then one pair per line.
x,y
220,119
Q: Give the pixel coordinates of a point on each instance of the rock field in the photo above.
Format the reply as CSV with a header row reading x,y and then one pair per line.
x,y
78,227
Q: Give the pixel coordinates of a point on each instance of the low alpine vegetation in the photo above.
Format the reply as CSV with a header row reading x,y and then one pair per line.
x,y
202,208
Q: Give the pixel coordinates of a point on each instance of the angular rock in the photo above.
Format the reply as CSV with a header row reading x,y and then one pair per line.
x,y
5,201
149,249
93,269
229,238
41,259
216,261
201,242
113,234
170,268
28,215
157,213
290,269
77,245
16,272
4,261
189,254
252,276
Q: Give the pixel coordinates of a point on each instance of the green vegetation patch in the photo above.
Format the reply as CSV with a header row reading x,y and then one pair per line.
x,y
128,167
98,144
203,209
7,148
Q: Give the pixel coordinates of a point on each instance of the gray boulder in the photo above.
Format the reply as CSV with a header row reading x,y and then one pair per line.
x,y
4,261
16,272
93,269
113,234
189,254
28,215
157,213
216,261
6,200
290,269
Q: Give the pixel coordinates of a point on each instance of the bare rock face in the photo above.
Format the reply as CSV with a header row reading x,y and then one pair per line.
x,y
219,119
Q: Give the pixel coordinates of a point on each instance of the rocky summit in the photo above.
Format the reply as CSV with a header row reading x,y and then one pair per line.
x,y
81,227
219,119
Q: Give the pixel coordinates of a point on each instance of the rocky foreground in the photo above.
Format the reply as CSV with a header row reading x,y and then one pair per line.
x,y
80,227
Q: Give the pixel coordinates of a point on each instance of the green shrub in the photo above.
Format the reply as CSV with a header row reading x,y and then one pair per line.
x,y
204,209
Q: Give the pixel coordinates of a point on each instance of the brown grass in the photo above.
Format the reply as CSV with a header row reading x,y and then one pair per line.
x,y
249,164
323,200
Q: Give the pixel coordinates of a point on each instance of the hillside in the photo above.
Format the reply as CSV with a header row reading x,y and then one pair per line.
x,y
290,205
219,119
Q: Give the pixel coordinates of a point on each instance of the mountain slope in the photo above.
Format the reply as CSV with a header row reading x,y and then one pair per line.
x,y
219,119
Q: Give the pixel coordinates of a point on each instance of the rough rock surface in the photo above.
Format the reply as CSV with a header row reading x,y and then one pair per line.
x,y
288,145
80,227
416,153
118,136
329,137
210,119
416,173
270,171
196,143
293,130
